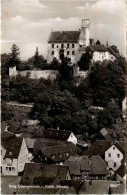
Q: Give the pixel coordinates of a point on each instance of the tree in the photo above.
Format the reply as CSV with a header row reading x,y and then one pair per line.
x,y
85,60
14,59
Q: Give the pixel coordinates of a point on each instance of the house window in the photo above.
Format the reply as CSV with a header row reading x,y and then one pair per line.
x,y
109,154
52,52
68,45
67,52
73,45
10,152
1,152
114,164
52,45
62,45
118,155
57,46
113,148
73,52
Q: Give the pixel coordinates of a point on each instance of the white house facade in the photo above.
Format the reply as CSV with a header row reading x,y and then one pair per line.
x,y
113,157
72,139
13,157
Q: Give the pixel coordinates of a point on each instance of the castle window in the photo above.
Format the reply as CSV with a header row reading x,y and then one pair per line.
x,y
68,45
52,45
73,52
62,45
67,52
52,52
73,45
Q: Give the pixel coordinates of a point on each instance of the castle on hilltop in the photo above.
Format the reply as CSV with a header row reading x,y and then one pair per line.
x,y
72,44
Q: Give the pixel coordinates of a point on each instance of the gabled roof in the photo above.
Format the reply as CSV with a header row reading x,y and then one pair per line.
x,y
12,147
98,148
99,48
94,165
64,37
34,172
57,134
41,143
6,135
121,170
60,152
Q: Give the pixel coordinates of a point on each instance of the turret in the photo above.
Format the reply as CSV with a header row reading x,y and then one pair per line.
x,y
84,39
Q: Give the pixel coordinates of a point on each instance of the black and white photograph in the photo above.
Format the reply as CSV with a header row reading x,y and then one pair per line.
x,y
63,96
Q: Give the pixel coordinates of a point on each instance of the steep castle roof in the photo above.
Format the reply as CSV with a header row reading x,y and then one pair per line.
x,y
64,37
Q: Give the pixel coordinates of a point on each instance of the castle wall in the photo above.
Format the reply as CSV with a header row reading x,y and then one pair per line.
x,y
34,74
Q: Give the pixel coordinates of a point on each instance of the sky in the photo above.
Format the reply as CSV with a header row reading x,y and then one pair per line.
x,y
28,23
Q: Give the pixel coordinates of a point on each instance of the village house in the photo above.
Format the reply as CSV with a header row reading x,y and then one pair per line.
x,y
114,156
87,167
111,152
38,174
61,135
14,155
57,154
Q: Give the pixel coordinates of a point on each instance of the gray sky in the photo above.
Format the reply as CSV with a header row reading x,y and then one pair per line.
x,y
28,23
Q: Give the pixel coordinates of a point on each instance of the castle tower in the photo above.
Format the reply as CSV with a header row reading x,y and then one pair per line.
x,y
84,39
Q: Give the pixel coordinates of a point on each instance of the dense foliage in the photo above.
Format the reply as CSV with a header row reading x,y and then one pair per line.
x,y
61,103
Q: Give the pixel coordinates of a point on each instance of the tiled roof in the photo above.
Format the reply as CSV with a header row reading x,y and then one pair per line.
x,y
98,148
99,48
60,152
57,134
95,187
121,170
34,172
12,147
41,143
64,37
93,164
6,135
76,184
